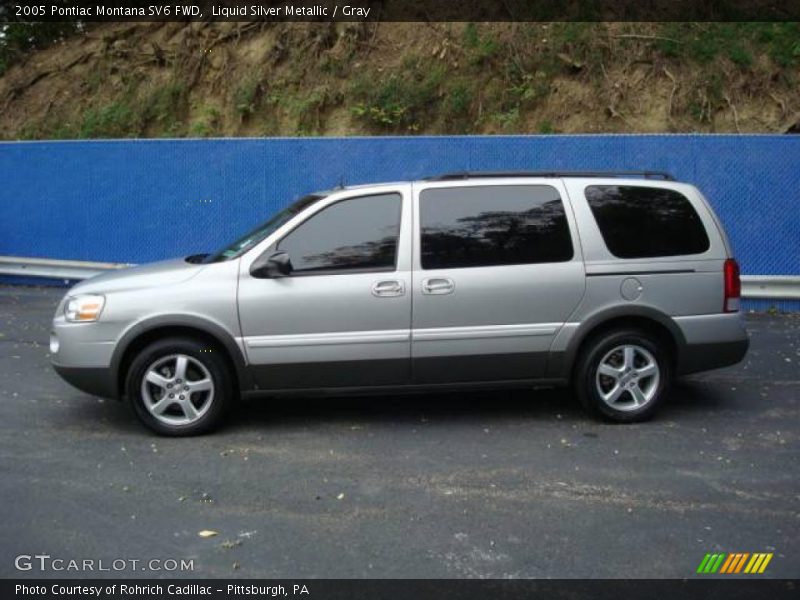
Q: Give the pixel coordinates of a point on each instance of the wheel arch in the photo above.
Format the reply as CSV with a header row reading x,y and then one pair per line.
x,y
641,317
157,328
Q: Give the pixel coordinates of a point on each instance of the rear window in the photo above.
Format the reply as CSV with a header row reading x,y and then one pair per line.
x,y
645,222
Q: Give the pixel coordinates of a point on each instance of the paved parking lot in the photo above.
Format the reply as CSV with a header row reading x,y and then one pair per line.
x,y
508,484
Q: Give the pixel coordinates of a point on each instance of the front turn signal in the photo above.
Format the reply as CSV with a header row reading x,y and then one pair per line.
x,y
84,308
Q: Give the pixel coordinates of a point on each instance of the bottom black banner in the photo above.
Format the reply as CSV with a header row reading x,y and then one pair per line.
x,y
418,589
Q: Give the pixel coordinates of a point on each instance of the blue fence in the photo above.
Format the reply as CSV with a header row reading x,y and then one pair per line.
x,y
143,200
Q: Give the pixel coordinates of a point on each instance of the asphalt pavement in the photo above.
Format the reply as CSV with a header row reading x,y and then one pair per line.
x,y
497,485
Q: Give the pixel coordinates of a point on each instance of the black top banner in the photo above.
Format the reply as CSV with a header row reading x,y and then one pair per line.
x,y
400,10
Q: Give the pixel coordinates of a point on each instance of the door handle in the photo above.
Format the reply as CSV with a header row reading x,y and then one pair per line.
x,y
388,289
438,286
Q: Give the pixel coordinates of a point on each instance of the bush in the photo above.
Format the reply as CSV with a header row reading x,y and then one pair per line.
x,y
483,48
165,106
400,101
115,120
458,101
247,97
19,38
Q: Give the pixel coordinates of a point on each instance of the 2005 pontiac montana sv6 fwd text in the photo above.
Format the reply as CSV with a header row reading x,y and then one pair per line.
x,y
613,282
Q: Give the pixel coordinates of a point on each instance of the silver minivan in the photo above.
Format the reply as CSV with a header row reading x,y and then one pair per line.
x,y
614,283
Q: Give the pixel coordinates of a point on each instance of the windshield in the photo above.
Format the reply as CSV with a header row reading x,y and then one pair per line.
x,y
244,243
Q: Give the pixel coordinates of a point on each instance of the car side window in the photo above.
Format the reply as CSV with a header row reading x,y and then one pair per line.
x,y
646,222
483,226
357,234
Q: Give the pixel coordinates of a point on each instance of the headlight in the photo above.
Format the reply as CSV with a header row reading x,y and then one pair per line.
x,y
84,308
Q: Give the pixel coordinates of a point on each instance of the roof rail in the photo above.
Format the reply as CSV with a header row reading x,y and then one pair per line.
x,y
663,175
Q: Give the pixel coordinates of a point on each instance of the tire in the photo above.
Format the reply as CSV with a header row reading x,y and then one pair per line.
x,y
623,375
155,373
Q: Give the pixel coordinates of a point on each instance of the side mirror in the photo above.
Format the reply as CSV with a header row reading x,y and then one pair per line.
x,y
277,264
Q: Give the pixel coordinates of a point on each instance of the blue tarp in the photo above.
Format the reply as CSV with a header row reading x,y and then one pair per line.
x,y
144,200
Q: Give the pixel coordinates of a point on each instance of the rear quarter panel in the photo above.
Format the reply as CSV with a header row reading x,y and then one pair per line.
x,y
673,285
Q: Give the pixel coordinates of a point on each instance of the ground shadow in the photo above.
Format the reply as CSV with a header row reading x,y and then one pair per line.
x,y
476,406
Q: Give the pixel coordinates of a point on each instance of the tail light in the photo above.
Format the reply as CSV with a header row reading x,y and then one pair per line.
x,y
733,286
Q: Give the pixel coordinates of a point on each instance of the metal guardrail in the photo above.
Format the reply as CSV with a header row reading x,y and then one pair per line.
x,y
772,287
55,269
775,287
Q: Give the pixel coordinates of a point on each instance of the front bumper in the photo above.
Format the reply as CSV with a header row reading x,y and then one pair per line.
x,y
81,354
97,381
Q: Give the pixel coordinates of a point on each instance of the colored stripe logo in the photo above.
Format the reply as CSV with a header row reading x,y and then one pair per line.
x,y
733,563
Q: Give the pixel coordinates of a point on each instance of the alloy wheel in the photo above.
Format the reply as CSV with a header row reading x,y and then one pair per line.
x,y
627,377
177,389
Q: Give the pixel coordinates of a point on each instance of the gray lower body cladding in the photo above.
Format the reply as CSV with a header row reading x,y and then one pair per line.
x,y
399,372
704,357
482,369
97,381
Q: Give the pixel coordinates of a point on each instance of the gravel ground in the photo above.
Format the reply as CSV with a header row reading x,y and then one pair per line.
x,y
502,484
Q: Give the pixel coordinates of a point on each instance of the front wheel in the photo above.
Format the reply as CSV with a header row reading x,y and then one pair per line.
x,y
179,387
623,376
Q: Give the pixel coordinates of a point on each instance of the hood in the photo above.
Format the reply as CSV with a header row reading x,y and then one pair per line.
x,y
165,272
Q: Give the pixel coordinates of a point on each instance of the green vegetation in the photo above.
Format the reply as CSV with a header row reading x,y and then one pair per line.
x,y
482,48
704,42
457,106
782,41
402,101
112,121
507,120
546,127
165,106
17,39
449,78
307,110
162,109
206,122
527,89
247,96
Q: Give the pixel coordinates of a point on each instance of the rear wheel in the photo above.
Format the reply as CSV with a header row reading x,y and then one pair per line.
x,y
623,375
179,387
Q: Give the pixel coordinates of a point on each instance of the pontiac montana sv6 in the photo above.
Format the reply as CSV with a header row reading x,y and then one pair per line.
x,y
612,282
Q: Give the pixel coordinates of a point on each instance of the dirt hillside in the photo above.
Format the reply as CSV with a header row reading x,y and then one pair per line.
x,y
253,79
